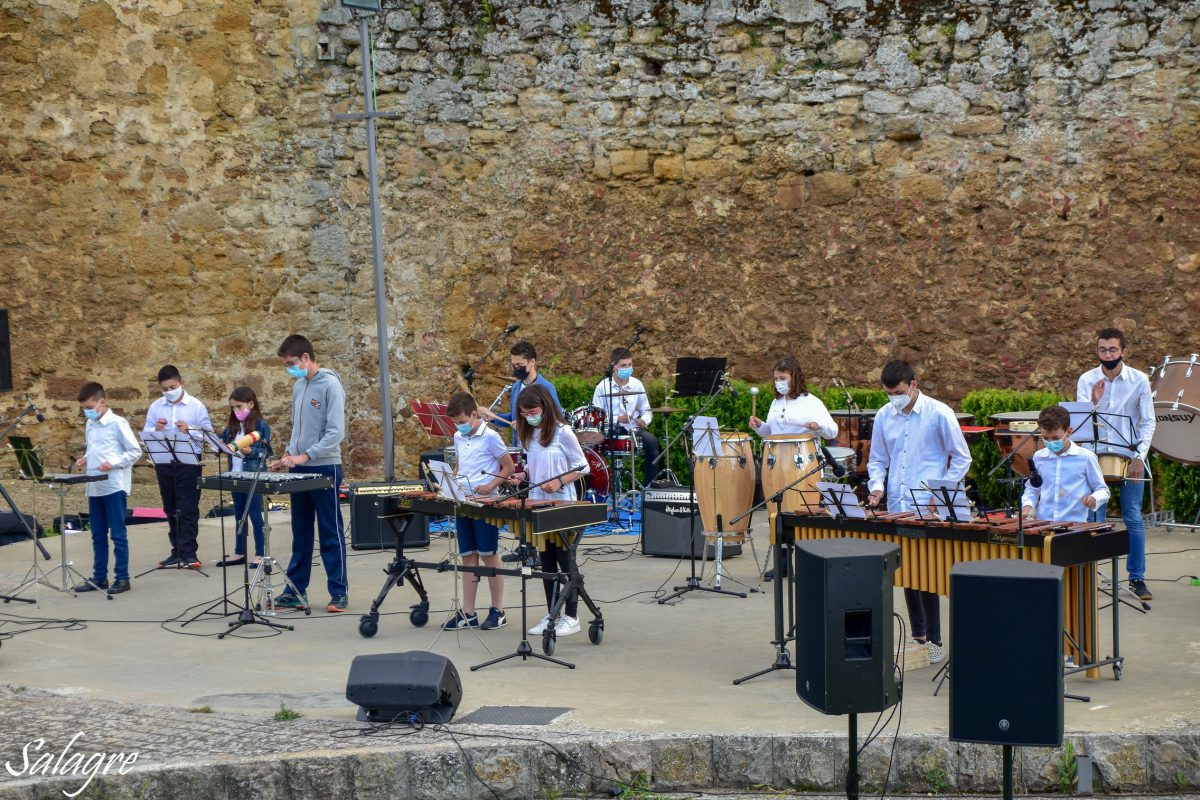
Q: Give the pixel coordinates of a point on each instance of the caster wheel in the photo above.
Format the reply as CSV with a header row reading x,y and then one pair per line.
x,y
596,633
308,611
418,616
1117,671
368,627
548,639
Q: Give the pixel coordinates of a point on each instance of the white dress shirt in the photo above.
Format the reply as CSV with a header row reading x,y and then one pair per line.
x,y
909,449
1066,479
111,439
188,409
479,454
561,455
1127,395
636,407
792,415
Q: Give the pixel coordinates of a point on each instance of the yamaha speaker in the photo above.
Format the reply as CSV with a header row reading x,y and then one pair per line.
x,y
376,516
393,686
5,353
670,517
845,656
1006,647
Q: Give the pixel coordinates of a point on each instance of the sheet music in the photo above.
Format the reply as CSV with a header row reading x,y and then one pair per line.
x,y
160,444
958,500
706,437
218,445
834,493
450,486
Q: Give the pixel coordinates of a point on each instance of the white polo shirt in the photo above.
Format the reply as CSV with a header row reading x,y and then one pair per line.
x,y
479,455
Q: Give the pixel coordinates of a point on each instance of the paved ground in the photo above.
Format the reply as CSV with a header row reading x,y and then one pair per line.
x,y
660,669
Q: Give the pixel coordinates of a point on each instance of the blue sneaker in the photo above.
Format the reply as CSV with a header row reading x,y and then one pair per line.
x,y
495,619
461,621
287,600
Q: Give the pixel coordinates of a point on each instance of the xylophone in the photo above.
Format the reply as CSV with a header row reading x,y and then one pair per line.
x,y
929,548
537,520
265,482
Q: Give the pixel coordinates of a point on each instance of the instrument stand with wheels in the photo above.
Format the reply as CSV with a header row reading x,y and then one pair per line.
x,y
397,570
162,451
524,649
60,485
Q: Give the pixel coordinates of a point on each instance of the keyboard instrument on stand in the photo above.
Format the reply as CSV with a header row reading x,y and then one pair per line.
x,y
265,482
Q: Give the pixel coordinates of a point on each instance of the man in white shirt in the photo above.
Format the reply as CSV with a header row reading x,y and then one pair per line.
x,y
915,439
630,413
112,451
1121,396
178,483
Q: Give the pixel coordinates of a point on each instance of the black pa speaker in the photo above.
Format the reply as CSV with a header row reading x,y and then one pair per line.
x,y
666,512
6,384
845,658
375,516
1006,645
390,686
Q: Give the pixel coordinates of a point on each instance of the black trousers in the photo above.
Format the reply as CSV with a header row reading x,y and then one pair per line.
x,y
650,451
556,558
924,615
179,485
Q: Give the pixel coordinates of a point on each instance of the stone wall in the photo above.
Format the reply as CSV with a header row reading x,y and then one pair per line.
x,y
975,186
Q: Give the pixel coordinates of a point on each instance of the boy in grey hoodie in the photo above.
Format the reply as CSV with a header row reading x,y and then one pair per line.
x,y
318,427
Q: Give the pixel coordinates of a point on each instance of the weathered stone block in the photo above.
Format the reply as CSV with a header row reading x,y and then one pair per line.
x,y
629,162
921,187
830,188
789,192
668,168
682,763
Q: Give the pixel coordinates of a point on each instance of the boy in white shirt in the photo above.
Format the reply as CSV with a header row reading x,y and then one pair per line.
x,y
111,451
484,462
629,413
1069,480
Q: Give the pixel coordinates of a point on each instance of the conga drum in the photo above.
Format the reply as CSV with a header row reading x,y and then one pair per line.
x,y
785,459
725,486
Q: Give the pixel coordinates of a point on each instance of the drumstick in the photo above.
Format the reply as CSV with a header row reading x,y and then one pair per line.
x,y
754,401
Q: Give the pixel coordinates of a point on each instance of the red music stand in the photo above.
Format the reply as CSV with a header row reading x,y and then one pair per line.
x,y
433,418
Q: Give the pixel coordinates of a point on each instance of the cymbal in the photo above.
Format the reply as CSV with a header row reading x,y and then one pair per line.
x,y
667,410
622,394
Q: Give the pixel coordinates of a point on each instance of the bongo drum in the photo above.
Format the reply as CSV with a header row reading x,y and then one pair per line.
x,y
725,486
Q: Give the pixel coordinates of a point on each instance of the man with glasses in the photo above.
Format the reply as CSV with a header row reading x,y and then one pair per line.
x,y
1121,395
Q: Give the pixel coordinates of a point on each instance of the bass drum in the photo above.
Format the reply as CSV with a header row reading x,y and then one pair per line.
x,y
595,483
1175,388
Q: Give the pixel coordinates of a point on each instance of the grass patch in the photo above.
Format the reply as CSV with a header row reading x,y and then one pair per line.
x,y
285,714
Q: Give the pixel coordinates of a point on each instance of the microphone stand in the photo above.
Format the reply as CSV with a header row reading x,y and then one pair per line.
x,y
469,375
1011,479
12,504
611,427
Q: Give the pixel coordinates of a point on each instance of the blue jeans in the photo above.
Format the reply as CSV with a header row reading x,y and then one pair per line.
x,y
320,506
106,514
1132,493
256,521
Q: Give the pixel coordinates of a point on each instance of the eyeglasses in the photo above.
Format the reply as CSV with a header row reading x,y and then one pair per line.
x,y
1108,350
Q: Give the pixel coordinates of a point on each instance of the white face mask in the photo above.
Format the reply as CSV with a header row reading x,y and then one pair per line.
x,y
783,386
174,395
899,400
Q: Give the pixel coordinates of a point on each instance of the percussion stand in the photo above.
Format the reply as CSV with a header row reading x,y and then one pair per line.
x,y
225,592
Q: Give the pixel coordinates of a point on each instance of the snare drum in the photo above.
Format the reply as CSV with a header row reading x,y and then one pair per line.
x,y
725,486
621,444
1113,466
843,456
518,457
588,424
1177,434
785,459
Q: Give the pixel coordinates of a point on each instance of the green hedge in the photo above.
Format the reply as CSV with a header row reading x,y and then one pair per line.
x,y
1178,484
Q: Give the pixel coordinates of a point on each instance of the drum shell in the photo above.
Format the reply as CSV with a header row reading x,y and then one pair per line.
x,y
1007,441
725,486
785,459
1113,466
1177,410
588,424
621,444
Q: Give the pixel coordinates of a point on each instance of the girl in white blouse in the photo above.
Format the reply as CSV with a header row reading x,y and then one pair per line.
x,y
794,410
554,462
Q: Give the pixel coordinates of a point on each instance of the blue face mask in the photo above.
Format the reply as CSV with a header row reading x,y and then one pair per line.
x,y
1056,445
625,373
534,420
91,413
464,428
296,371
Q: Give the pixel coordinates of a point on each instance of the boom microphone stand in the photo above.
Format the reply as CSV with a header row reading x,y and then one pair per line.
x,y
469,375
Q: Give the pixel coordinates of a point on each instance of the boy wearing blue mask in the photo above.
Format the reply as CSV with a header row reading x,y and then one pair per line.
x,y
315,448
179,484
484,462
111,452
628,414
1071,482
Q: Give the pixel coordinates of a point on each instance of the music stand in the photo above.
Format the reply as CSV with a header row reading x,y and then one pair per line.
x,y
433,418
223,448
170,447
29,465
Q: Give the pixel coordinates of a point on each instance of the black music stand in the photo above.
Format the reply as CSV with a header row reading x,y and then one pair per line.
x,y
164,450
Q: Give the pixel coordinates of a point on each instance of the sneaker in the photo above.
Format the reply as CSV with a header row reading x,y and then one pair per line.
x,y
1140,589
91,586
936,652
169,561
190,563
287,600
119,586
461,621
495,619
566,626
540,628
1068,660
337,604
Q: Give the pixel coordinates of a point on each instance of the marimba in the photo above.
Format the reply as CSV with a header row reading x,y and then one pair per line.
x,y
929,548
537,521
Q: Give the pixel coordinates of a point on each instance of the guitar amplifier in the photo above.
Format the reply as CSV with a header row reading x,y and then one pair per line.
x,y
370,506
666,514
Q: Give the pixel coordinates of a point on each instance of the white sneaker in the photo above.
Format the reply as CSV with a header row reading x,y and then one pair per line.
x,y
566,626
936,652
540,628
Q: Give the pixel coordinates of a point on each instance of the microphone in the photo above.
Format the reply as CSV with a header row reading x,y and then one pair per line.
x,y
511,329
245,441
1035,477
40,416
639,329
838,469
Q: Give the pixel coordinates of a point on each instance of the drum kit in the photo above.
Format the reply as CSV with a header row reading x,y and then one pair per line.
x,y
611,452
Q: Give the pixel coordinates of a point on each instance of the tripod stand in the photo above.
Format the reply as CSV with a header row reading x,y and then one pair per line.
x,y
60,485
